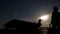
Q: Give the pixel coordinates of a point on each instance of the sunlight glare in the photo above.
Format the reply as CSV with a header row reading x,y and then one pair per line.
x,y
45,17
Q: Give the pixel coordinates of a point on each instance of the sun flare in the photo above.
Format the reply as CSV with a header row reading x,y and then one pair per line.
x,y
45,17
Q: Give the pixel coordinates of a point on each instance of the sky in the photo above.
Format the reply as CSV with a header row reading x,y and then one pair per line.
x,y
27,10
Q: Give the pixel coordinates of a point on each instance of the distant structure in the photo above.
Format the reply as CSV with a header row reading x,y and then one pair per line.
x,y
22,26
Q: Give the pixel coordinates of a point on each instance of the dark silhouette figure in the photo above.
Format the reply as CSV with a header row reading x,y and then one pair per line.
x,y
55,17
18,26
55,22
39,22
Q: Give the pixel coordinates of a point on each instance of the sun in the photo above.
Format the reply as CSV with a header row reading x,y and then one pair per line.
x,y
45,17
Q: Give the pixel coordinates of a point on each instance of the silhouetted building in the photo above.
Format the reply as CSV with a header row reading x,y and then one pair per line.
x,y
22,26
